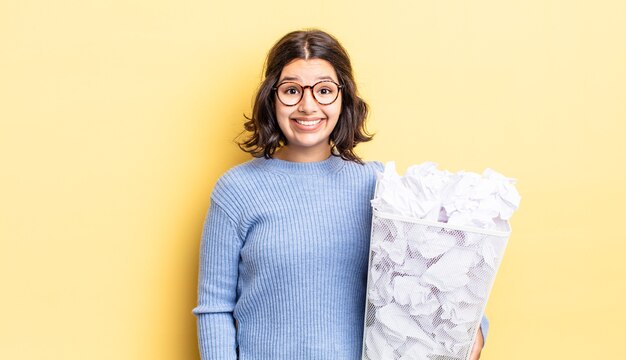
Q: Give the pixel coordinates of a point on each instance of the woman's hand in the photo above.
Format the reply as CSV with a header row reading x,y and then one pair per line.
x,y
478,345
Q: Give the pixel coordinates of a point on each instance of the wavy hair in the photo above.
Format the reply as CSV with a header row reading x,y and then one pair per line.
x,y
265,134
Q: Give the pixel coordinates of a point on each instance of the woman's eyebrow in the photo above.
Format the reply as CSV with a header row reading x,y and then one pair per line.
x,y
295,78
289,78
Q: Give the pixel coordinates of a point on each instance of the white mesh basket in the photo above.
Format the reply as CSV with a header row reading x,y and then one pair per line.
x,y
427,287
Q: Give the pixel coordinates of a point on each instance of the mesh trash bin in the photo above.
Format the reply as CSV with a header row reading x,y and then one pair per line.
x,y
428,284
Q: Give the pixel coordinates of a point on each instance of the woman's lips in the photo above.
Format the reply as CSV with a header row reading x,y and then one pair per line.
x,y
307,124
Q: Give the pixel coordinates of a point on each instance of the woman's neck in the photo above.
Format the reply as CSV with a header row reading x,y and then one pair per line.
x,y
303,155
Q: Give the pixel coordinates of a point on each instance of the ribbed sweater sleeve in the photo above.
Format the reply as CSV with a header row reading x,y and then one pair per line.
x,y
219,256
484,328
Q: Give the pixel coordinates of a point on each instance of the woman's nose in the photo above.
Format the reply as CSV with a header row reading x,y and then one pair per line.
x,y
308,103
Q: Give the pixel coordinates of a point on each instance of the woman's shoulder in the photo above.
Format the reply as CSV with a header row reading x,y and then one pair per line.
x,y
237,175
239,179
375,165
371,167
365,173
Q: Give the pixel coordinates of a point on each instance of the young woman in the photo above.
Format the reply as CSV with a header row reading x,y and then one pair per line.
x,y
283,260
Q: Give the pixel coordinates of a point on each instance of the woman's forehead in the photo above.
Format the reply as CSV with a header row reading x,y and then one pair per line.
x,y
308,70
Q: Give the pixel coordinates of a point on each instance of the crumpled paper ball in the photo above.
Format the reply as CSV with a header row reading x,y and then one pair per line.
x,y
466,199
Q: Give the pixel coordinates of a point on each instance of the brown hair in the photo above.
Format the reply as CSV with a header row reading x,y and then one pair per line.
x,y
266,136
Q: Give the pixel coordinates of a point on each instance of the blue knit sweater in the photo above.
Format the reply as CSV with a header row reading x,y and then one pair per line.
x,y
283,261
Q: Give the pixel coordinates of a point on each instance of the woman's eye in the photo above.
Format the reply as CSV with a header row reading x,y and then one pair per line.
x,y
325,91
292,91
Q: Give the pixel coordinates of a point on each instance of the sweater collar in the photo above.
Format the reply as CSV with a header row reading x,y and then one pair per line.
x,y
330,165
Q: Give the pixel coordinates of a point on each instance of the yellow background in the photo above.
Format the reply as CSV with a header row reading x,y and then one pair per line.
x,y
117,117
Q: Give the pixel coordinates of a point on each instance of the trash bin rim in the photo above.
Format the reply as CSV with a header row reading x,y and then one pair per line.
x,y
385,215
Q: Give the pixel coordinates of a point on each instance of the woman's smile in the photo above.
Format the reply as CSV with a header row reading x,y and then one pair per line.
x,y
308,123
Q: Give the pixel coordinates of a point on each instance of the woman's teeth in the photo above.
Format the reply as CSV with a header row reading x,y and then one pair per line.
x,y
308,122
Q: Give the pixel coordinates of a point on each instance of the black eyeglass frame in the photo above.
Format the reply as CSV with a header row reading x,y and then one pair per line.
x,y
339,87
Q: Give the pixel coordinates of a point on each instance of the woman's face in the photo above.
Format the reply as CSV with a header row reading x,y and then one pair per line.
x,y
308,125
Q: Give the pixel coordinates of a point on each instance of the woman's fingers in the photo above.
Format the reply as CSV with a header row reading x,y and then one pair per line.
x,y
478,346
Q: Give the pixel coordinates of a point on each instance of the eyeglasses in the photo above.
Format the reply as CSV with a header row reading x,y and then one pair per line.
x,y
324,92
